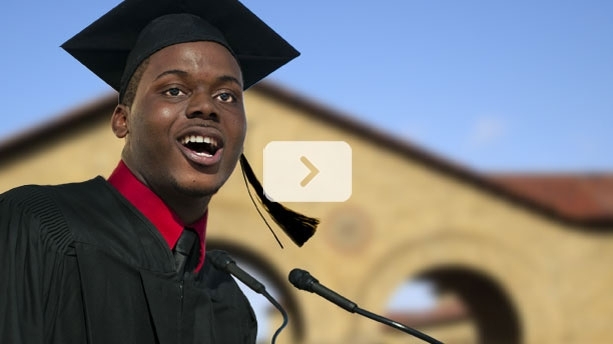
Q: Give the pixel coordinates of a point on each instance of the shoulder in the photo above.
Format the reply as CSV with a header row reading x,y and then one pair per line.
x,y
39,211
44,200
31,202
35,197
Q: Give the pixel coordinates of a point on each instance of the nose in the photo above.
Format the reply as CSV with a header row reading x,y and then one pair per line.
x,y
202,105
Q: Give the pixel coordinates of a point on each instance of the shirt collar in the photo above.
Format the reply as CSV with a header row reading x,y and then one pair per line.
x,y
154,209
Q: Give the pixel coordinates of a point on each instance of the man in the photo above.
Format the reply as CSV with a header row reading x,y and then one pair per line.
x,y
122,260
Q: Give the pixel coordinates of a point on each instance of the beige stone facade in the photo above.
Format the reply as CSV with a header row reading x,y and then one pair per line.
x,y
524,276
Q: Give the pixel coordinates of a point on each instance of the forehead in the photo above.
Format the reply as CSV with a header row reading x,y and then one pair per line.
x,y
195,55
200,52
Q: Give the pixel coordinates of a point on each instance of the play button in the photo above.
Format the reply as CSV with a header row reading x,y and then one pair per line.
x,y
307,171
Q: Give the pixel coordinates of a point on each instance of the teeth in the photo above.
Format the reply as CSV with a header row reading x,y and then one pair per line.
x,y
199,139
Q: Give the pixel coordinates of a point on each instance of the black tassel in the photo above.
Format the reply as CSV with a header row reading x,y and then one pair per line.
x,y
297,226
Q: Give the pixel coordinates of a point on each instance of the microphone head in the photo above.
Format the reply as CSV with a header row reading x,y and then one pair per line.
x,y
221,259
302,279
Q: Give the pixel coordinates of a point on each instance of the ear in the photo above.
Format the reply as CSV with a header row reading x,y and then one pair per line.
x,y
119,121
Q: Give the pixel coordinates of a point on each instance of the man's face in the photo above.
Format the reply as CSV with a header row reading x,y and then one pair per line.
x,y
186,127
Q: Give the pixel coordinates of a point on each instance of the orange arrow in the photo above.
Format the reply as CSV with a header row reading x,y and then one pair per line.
x,y
313,171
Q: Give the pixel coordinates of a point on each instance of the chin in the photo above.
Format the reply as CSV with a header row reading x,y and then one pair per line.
x,y
199,189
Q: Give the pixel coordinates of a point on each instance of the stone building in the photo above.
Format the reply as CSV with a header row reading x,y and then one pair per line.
x,y
513,259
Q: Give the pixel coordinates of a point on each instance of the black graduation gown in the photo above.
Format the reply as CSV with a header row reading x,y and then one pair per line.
x,y
79,264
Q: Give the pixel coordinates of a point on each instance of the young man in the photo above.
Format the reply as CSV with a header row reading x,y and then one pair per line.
x,y
122,260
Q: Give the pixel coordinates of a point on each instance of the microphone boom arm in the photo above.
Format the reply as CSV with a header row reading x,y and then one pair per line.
x,y
303,280
397,325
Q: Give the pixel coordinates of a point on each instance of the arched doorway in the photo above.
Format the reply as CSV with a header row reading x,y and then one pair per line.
x,y
462,303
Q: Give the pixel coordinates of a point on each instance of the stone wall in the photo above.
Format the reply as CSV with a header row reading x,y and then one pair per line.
x,y
404,219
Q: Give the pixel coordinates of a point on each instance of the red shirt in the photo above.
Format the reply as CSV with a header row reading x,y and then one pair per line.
x,y
154,209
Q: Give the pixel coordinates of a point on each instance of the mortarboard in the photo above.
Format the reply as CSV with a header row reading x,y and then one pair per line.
x,y
114,46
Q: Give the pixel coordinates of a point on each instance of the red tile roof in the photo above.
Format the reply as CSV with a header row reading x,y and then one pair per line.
x,y
580,197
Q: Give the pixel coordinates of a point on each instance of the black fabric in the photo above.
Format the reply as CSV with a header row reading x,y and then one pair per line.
x,y
106,46
80,264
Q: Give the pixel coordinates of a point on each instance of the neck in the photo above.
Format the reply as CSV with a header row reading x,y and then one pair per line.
x,y
188,210
188,205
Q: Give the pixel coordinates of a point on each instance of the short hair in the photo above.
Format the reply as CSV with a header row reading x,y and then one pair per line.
x,y
128,97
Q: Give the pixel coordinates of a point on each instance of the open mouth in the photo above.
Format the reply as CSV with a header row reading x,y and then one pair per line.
x,y
202,145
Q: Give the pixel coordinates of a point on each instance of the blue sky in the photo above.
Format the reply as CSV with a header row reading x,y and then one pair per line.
x,y
493,85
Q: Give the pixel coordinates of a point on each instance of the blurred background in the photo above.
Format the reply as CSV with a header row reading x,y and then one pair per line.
x,y
522,85
482,205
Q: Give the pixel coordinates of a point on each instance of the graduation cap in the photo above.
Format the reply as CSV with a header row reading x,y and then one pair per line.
x,y
115,45
118,42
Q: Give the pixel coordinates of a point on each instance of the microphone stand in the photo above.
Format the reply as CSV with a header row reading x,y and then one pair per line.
x,y
223,261
397,325
283,313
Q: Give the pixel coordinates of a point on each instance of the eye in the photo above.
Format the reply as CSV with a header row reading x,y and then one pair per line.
x,y
173,92
226,97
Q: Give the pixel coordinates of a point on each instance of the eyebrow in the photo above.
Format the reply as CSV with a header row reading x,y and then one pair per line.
x,y
230,78
226,78
172,71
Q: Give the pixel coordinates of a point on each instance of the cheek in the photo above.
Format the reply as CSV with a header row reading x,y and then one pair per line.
x,y
242,125
236,130
150,123
149,130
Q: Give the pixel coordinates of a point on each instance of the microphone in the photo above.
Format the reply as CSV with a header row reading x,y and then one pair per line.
x,y
303,280
222,261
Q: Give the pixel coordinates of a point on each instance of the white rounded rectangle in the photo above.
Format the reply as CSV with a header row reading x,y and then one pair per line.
x,y
307,171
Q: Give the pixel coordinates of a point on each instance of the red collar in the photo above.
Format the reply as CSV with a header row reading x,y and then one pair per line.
x,y
154,209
